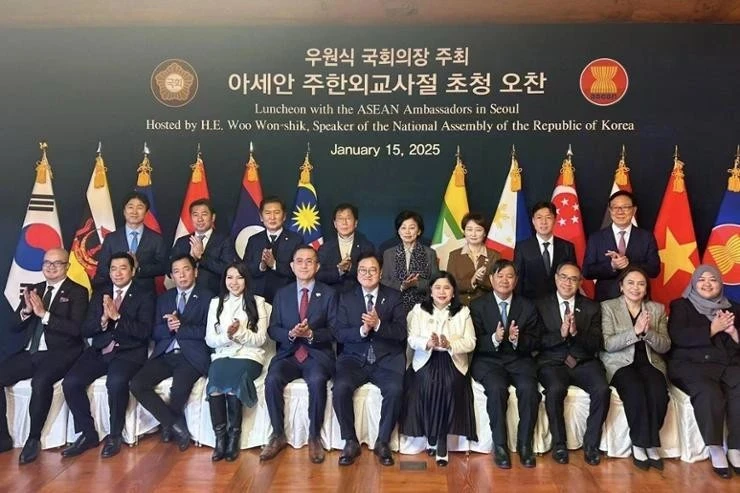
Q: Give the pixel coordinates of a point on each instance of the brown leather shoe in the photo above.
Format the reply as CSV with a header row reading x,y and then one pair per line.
x,y
316,450
273,447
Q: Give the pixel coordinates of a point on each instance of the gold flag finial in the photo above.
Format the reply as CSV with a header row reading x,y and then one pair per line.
x,y
252,166
197,167
144,177
678,182
621,176
99,178
516,172
567,170
460,170
733,183
43,168
306,167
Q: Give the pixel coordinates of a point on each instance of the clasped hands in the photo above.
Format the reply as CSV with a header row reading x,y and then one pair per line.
x,y
196,247
345,265
438,342
724,321
478,276
33,303
410,281
173,321
568,327
301,330
370,321
618,261
110,312
513,332
268,259
642,324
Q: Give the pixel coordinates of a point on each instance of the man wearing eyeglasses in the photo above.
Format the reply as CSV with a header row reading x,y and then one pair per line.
x,y
50,316
570,327
614,248
371,323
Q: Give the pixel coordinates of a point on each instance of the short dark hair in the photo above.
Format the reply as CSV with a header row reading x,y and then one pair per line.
x,y
346,206
365,255
138,196
272,199
125,255
499,265
623,193
203,201
304,247
544,204
455,305
633,268
404,215
183,256
476,217
566,263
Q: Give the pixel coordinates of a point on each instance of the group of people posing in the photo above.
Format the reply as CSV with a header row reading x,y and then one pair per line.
x,y
347,315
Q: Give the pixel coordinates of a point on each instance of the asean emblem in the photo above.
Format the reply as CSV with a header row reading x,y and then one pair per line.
x,y
604,82
174,83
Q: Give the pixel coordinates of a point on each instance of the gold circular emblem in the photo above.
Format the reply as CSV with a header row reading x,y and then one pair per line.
x,y
174,83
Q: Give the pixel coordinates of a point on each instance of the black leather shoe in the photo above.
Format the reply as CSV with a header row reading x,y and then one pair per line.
x,y
81,445
111,447
166,434
592,456
501,457
350,452
736,469
181,435
722,472
526,456
431,452
442,462
30,451
560,454
643,465
656,463
6,444
383,451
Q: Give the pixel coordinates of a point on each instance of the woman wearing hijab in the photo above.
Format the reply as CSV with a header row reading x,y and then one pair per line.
x,y
705,363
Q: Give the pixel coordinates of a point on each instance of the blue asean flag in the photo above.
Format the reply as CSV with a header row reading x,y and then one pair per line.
x,y
723,246
304,219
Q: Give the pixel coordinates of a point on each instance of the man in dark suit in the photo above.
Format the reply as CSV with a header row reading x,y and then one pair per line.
x,y
506,331
145,245
614,248
339,255
302,324
570,325
119,321
535,258
211,249
269,252
371,323
180,350
50,317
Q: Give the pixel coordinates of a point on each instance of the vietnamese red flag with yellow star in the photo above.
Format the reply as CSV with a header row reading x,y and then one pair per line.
x,y
674,233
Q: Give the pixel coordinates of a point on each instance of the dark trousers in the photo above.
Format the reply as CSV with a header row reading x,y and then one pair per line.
x,y
352,374
644,393
85,371
496,380
715,396
44,368
184,376
284,371
588,375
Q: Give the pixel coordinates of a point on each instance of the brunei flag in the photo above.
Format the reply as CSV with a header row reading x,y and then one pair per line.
x,y
144,185
723,247
510,223
621,182
97,222
674,233
305,216
448,235
247,220
40,233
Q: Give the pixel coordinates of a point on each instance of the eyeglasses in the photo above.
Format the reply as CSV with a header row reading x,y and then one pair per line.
x,y
308,261
367,272
623,208
56,264
570,279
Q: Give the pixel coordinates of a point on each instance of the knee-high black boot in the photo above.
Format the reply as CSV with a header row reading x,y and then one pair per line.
x,y
234,431
217,404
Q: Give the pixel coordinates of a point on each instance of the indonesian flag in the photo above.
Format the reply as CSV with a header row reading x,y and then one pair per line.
x,y
510,223
197,189
97,221
40,233
247,220
448,235
569,222
621,182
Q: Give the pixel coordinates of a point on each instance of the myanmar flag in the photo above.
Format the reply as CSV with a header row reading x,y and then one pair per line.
x,y
448,235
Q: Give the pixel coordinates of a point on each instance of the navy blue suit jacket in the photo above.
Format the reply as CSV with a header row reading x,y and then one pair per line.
x,y
219,253
151,256
642,251
583,346
191,336
322,314
389,342
329,257
131,332
534,282
267,283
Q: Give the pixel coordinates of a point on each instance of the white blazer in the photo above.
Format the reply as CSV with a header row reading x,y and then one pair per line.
x,y
245,344
458,330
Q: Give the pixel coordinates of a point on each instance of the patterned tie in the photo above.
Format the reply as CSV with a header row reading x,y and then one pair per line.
x,y
546,257
201,237
504,314
134,241
567,309
301,354
622,245
181,303
370,350
570,361
39,329
118,299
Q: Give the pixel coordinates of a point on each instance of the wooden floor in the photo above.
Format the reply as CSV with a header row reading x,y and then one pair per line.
x,y
154,466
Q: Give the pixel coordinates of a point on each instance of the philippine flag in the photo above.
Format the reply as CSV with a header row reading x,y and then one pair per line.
x,y
511,221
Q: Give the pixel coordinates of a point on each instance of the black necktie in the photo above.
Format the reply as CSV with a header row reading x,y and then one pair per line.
x,y
272,239
39,329
546,257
